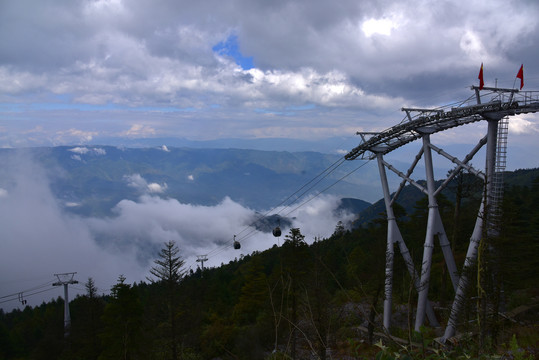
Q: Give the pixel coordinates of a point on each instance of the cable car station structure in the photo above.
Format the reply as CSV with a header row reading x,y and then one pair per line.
x,y
493,105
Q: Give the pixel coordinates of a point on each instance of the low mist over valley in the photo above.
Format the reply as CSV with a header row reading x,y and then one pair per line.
x,y
104,211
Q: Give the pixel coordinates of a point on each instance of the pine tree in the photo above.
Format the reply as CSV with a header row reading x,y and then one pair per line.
x,y
168,268
168,273
295,259
86,312
122,318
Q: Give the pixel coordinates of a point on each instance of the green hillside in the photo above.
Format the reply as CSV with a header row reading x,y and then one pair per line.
x,y
299,301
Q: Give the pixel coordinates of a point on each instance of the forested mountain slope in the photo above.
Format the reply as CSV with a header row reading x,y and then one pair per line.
x,y
299,300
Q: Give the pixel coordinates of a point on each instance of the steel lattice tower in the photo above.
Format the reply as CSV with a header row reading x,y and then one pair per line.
x,y
421,124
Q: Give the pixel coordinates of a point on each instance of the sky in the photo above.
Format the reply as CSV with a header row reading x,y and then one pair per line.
x,y
79,72
111,71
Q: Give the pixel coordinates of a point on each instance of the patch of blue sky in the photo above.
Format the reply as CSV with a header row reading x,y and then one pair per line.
x,y
274,112
301,107
230,47
164,109
6,107
288,111
63,97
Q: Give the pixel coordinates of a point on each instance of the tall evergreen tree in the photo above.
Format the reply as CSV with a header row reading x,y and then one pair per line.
x,y
168,267
168,273
122,318
296,260
86,314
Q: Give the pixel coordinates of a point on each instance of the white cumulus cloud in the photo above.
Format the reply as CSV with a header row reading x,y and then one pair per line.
x,y
138,182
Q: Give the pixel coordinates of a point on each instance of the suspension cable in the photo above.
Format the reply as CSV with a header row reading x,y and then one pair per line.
x,y
328,171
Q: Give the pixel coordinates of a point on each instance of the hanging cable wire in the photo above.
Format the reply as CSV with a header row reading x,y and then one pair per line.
x,y
327,188
224,247
320,177
25,294
37,287
316,180
318,194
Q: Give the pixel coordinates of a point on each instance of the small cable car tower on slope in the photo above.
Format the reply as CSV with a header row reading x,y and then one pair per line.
x,y
66,279
419,124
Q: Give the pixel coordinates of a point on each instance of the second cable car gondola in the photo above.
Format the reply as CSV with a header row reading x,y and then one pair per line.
x,y
237,244
277,230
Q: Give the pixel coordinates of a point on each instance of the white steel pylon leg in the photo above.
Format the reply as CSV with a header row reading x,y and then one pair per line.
x,y
460,295
392,231
438,225
446,250
429,237
471,254
434,227
394,236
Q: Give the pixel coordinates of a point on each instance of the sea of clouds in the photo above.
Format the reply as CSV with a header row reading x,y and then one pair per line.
x,y
40,237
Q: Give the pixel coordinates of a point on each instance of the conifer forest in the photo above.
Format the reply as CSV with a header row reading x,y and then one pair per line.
x,y
309,298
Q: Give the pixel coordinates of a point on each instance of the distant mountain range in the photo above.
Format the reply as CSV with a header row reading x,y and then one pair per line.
x,y
91,180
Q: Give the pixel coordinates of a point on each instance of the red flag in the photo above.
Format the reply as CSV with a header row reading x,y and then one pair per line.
x,y
520,75
480,77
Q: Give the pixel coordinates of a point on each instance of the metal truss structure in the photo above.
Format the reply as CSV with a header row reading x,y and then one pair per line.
x,y
421,124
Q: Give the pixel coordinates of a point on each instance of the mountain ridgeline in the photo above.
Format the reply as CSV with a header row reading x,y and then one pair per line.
x,y
91,180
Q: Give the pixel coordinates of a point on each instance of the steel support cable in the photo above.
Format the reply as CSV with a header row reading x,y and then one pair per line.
x,y
325,173
299,197
320,176
17,296
318,194
252,230
315,196
327,188
37,287
222,248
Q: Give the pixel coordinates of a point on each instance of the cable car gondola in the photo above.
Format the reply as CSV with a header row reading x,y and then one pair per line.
x,y
277,230
237,244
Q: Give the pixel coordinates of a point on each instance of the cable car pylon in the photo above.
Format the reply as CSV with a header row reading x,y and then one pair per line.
x,y
421,123
66,279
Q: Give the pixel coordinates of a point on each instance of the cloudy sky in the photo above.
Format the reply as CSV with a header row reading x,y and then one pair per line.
x,y
80,71
77,72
